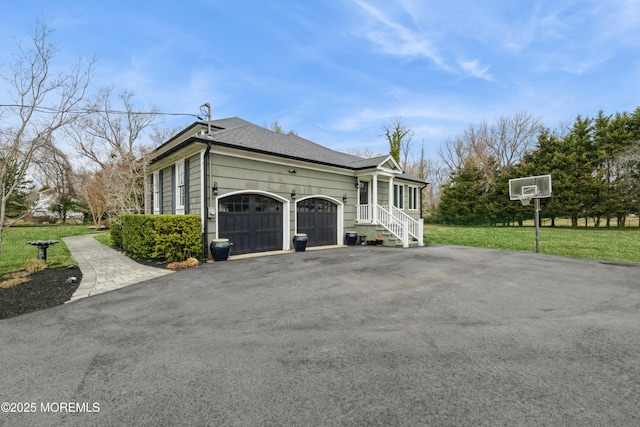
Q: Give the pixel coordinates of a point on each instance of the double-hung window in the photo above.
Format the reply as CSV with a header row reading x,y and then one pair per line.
x,y
413,198
180,189
156,192
398,196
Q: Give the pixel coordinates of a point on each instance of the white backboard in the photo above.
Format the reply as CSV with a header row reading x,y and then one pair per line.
x,y
537,187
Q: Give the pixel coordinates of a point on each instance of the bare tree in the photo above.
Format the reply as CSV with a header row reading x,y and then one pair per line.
x,y
57,175
399,137
454,153
111,140
92,189
277,128
365,154
109,134
492,147
432,172
43,104
513,137
160,135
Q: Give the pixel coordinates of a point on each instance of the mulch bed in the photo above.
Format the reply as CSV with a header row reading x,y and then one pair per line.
x,y
46,288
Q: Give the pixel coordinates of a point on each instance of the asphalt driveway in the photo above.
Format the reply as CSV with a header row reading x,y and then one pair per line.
x,y
438,335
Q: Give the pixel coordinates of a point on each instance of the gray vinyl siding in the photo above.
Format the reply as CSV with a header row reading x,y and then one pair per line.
x,y
167,191
233,174
413,213
383,192
194,184
237,174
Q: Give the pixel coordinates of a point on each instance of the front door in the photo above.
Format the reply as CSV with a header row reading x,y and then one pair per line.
x,y
365,211
364,192
252,222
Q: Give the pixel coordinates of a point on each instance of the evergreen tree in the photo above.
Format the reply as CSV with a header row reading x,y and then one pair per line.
x,y
578,196
612,141
462,201
18,203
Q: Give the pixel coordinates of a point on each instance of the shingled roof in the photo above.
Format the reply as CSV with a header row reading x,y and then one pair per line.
x,y
238,133
242,134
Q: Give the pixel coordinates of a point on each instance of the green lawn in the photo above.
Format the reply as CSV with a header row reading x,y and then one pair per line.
x,y
606,244
16,253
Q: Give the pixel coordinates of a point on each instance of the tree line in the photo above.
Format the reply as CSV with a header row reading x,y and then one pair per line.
x,y
594,165
46,107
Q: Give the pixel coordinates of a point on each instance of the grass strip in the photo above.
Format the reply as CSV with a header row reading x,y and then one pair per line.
x,y
594,243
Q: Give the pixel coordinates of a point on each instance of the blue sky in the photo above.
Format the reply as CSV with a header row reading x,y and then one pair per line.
x,y
335,71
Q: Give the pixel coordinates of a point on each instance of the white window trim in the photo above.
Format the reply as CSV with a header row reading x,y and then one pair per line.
x,y
413,198
179,187
156,193
398,196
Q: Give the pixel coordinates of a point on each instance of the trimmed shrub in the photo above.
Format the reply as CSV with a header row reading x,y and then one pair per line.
x,y
115,230
169,238
177,237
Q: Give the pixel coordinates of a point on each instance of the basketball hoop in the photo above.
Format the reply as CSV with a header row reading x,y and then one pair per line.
x,y
525,199
531,187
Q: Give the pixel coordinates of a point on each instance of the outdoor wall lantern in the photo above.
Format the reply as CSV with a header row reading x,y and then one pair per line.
x,y
292,171
344,197
215,188
293,194
357,183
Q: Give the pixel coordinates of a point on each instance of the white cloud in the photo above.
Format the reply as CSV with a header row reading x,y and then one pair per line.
x,y
362,119
476,70
393,37
396,39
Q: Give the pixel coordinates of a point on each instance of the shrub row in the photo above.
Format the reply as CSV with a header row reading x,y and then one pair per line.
x,y
168,238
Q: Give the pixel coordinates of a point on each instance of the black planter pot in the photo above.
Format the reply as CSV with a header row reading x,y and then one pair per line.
x,y
352,238
300,242
220,249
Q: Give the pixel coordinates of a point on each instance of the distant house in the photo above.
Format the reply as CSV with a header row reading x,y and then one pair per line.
x,y
258,188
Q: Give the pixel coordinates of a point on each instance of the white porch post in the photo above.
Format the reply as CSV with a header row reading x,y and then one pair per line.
x,y
374,198
405,233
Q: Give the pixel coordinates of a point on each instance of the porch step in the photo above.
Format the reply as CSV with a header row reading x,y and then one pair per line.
x,y
393,241
412,243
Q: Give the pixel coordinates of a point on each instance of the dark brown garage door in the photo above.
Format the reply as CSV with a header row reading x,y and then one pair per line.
x,y
318,218
252,222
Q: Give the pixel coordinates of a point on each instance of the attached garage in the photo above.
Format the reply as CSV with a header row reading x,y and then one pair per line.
x,y
252,222
318,219
258,188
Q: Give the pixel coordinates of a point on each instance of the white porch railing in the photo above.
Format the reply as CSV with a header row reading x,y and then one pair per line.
x,y
398,223
365,213
415,227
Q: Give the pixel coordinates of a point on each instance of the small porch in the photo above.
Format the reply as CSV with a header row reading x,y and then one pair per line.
x,y
396,227
380,209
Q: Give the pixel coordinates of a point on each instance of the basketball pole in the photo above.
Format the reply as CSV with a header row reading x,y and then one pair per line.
x,y
537,221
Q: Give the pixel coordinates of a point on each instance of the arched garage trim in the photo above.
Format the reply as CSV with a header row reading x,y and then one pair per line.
x,y
286,209
340,213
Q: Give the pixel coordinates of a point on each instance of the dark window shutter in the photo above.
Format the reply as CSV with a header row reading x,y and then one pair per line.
x,y
186,186
161,191
173,189
150,210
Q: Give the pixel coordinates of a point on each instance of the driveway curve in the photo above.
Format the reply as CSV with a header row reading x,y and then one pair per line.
x,y
439,335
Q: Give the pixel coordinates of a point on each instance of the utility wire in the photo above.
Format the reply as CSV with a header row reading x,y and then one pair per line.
x,y
95,110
